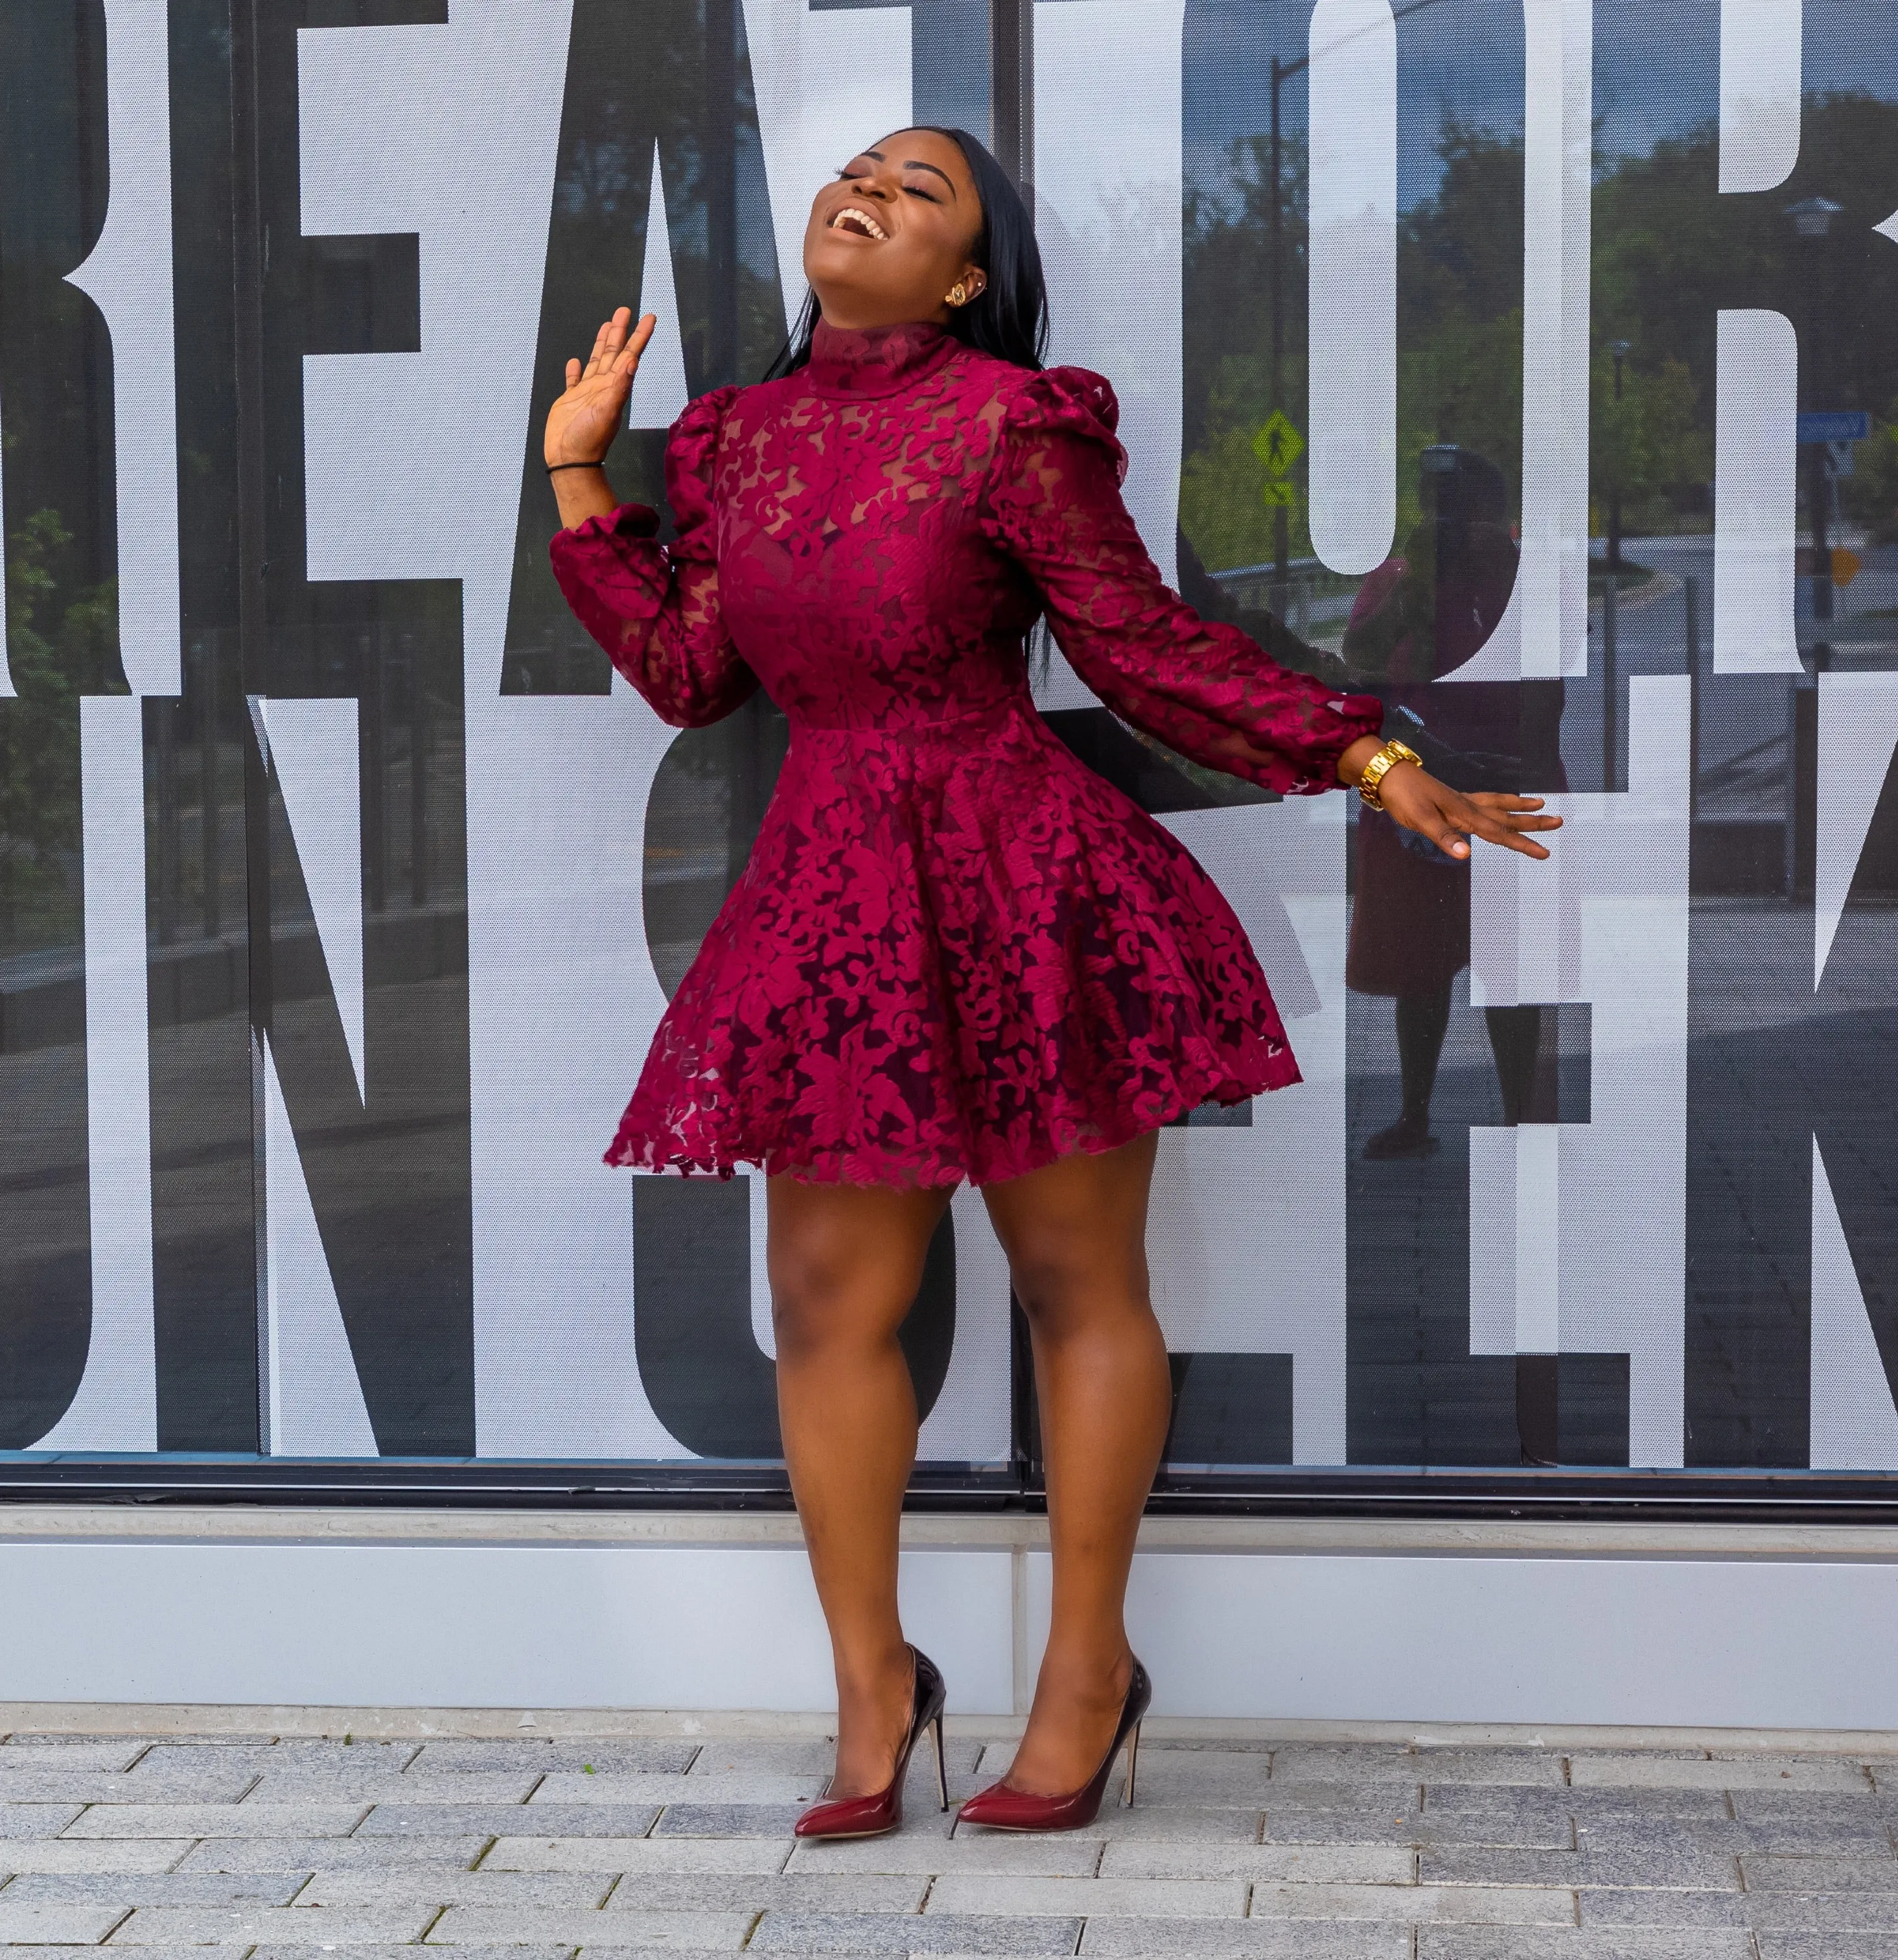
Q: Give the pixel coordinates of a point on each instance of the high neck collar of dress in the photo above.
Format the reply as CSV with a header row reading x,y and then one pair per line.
x,y
859,364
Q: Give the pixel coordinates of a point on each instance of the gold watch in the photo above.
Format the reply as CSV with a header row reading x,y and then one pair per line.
x,y
1380,766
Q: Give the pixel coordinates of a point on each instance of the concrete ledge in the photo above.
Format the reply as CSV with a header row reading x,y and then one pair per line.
x,y
175,1718
234,1524
1414,1625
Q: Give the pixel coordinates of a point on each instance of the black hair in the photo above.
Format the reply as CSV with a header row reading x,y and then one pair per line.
x,y
1008,318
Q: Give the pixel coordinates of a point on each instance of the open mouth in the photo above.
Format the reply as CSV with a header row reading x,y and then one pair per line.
x,y
854,218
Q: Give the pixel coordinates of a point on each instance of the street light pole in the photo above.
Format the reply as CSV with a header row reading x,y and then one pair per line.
x,y
1812,219
1620,350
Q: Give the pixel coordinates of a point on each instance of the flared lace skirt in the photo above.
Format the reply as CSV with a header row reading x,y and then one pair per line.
x,y
956,953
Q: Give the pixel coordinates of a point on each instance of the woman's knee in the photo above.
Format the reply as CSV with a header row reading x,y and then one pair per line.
x,y
1064,1280
831,1288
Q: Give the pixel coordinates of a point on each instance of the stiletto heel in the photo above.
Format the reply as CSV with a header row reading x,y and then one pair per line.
x,y
1002,1808
882,1811
942,1771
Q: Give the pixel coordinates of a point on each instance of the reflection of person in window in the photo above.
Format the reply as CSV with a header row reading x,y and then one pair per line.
x,y
1418,618
956,953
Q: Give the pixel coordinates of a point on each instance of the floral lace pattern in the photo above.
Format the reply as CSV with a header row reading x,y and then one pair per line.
x,y
955,953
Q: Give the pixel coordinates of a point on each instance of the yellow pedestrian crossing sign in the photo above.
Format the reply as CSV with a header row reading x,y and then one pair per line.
x,y
1279,495
1278,445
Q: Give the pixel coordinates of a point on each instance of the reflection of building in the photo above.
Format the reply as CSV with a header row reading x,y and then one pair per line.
x,y
316,1180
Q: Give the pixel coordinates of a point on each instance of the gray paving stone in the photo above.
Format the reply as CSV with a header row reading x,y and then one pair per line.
x,y
1811,1807
1156,1823
332,1854
563,1788
130,1888
1289,1864
1656,1802
42,1752
1345,1827
1654,1905
332,1782
1345,1763
1537,1769
776,1755
1828,1946
1474,1905
1437,1943
507,1820
499,1925
69,1854
60,1739
715,1820
1766,1873
1638,1836
1366,1796
1851,1910
1205,1778
71,1925
212,1820
1822,1774
454,1885
386,1758
735,1891
135,1786
1062,1854
1692,1870
926,1933
278,1951
1088,1898
246,1926
145,1952
1243,1939
251,1739
609,1755
611,1856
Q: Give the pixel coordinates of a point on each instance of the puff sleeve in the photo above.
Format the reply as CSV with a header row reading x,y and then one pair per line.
x,y
655,608
1051,501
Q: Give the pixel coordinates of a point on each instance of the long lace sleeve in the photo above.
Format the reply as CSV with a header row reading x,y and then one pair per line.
x,y
654,608
1052,502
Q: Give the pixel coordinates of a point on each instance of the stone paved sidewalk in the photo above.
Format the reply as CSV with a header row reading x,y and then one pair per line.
x,y
288,1850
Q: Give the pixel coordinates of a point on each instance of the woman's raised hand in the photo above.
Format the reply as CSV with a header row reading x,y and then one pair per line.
x,y
1447,817
582,425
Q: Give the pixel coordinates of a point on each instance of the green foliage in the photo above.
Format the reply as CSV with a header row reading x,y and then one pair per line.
x,y
1670,253
62,643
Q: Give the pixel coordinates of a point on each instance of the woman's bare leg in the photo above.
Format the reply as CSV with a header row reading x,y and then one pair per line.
x,y
845,1262
1076,1235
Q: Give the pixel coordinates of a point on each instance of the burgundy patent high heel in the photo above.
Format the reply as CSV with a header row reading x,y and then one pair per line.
x,y
1001,1808
881,1811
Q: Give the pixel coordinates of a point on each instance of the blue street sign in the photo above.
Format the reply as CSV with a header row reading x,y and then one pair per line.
x,y
1843,425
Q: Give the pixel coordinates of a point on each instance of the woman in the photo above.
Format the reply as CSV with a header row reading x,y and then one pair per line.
x,y
954,952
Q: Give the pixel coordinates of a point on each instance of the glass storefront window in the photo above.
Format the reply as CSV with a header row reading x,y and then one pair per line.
x,y
1530,365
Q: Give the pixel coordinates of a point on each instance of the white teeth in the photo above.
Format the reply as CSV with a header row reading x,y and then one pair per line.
x,y
863,222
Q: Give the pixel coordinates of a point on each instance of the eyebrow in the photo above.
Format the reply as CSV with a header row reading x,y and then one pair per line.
x,y
916,163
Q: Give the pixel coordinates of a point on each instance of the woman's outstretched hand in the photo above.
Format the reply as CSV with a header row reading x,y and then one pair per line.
x,y
1448,818
582,425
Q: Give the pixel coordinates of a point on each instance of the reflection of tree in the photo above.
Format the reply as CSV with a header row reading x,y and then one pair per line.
x,y
1459,332
61,643
1670,251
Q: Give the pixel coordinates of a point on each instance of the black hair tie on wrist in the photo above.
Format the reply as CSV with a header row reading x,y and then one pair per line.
x,y
553,467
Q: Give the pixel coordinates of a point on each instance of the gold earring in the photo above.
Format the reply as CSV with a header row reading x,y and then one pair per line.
x,y
957,296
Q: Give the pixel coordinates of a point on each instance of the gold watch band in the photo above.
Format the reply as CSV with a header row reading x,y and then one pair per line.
x,y
1380,766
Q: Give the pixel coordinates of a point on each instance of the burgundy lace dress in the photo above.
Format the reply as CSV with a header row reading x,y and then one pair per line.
x,y
956,952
